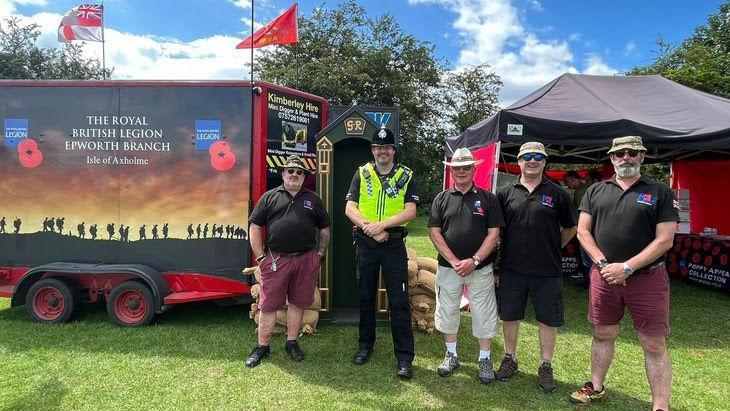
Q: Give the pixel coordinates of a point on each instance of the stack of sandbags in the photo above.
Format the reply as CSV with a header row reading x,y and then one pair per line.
x,y
311,314
422,289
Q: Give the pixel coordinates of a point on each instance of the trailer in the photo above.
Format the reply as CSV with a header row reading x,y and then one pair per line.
x,y
138,193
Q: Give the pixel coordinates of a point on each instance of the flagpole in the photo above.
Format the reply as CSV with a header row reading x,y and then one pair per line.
x,y
103,43
252,40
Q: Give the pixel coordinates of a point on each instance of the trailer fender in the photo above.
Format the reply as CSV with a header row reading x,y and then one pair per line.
x,y
151,277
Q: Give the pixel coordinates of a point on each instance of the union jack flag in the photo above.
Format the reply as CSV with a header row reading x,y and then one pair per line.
x,y
84,22
89,11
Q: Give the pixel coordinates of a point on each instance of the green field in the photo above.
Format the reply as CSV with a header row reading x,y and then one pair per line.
x,y
192,358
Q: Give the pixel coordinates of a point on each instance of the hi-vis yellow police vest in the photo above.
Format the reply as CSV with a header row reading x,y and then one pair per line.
x,y
378,201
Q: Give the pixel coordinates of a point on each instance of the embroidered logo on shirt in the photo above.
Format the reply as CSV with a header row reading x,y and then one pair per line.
x,y
547,200
307,204
478,209
646,198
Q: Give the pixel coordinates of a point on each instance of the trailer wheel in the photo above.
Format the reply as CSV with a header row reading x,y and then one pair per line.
x,y
131,304
52,301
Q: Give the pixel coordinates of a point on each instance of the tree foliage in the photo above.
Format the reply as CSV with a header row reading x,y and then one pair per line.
x,y
702,61
348,57
20,58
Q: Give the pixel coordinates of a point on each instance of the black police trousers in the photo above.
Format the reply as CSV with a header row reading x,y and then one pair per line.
x,y
391,256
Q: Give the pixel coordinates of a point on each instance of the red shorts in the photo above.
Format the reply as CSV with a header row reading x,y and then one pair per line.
x,y
646,295
295,277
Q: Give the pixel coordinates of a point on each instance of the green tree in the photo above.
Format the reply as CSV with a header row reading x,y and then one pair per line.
x,y
346,56
20,58
702,61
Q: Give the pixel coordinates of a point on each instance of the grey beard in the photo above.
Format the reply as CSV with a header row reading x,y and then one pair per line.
x,y
627,170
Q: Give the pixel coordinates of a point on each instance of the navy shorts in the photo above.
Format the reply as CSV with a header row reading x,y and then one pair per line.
x,y
546,294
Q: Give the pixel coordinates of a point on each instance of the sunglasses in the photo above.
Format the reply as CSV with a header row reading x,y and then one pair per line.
x,y
530,156
295,170
621,153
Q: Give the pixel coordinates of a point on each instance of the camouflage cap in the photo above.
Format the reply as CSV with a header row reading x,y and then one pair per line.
x,y
532,147
627,142
294,161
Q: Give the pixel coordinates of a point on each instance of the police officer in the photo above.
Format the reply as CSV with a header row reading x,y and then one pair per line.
x,y
382,199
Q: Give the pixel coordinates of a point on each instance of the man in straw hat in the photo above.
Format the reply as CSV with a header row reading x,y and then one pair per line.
x,y
294,217
539,222
626,225
464,225
381,201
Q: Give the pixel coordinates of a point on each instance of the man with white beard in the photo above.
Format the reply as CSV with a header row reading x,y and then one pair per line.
x,y
626,225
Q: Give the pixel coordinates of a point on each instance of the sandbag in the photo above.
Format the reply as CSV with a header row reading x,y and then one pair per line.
x,y
420,315
411,253
423,303
309,321
317,303
427,280
255,290
428,264
412,269
256,271
418,290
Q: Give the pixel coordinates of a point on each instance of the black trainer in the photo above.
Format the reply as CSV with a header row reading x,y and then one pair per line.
x,y
296,353
258,354
404,370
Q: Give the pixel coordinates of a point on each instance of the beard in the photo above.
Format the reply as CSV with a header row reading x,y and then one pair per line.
x,y
627,170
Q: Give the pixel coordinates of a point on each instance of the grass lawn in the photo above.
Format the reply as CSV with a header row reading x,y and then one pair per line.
x,y
192,358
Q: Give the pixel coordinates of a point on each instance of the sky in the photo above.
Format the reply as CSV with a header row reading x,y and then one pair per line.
x,y
527,42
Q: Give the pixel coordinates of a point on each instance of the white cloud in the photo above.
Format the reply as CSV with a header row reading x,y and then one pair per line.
x,y
492,32
148,57
536,5
7,7
596,65
630,47
244,4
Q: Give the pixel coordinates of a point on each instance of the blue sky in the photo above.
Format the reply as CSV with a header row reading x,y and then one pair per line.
x,y
527,42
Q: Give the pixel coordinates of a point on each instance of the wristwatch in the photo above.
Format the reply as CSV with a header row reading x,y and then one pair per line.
x,y
628,270
602,263
259,258
476,260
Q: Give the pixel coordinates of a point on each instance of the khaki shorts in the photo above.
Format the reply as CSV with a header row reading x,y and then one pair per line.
x,y
480,286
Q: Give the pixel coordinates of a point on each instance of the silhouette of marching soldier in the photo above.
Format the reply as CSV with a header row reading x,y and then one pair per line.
x,y
197,230
92,231
17,223
205,231
126,234
110,230
190,231
220,231
165,230
45,224
154,232
121,232
142,233
214,231
2,225
59,223
52,225
81,229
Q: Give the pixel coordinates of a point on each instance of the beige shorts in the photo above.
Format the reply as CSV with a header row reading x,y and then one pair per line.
x,y
482,299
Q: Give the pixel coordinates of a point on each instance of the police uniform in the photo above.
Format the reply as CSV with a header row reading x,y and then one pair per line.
x,y
380,197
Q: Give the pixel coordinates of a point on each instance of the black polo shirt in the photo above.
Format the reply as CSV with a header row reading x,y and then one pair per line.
x,y
353,194
531,239
624,222
464,219
291,223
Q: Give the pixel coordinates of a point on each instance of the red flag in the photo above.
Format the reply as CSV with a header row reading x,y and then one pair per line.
x,y
83,22
282,30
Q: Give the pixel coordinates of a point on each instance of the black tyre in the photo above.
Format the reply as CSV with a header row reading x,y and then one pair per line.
x,y
131,304
52,301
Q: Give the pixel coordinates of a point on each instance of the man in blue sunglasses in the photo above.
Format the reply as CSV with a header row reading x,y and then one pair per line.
x,y
539,221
